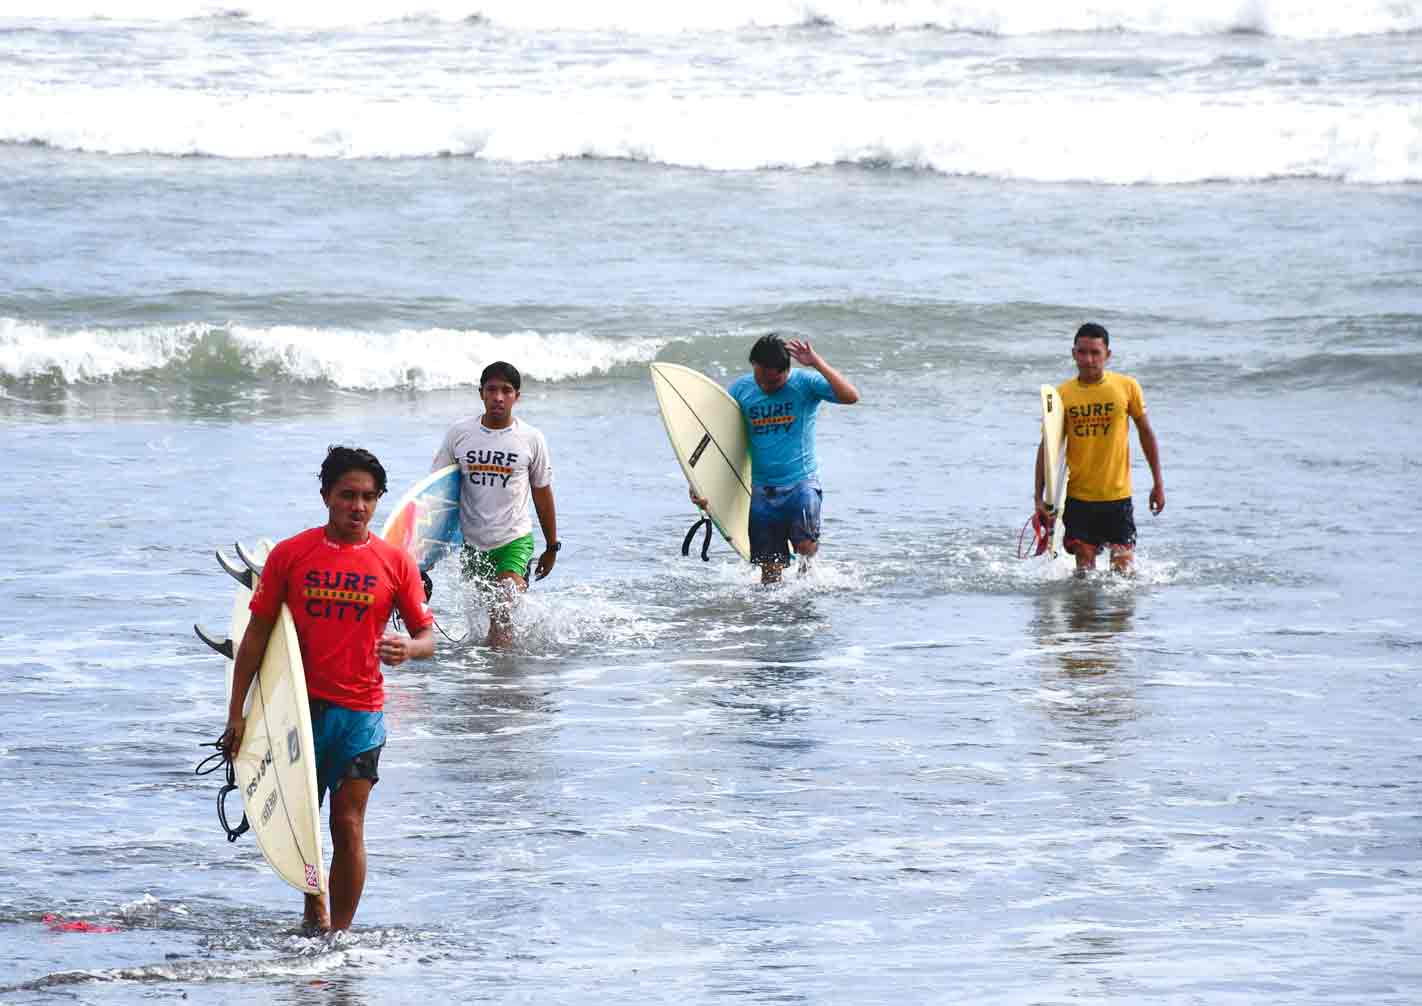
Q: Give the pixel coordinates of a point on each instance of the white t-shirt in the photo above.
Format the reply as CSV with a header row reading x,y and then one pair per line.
x,y
499,467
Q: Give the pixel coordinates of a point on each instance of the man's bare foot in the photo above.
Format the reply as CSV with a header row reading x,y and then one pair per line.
x,y
315,919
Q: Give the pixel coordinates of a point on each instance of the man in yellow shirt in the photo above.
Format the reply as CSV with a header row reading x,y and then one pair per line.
x,y
1098,406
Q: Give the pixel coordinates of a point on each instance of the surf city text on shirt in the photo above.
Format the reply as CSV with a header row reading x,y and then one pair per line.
x,y
483,467
333,593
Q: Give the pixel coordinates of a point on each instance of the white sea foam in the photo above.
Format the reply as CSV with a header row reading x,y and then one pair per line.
x,y
1188,104
1292,18
422,359
1089,137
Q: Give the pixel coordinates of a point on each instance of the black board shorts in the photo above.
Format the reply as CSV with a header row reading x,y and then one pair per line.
x,y
1105,522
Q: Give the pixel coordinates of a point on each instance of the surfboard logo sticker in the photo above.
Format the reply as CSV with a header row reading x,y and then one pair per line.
x,y
696,454
293,746
261,773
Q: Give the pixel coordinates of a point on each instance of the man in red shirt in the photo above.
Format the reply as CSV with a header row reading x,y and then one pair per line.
x,y
341,583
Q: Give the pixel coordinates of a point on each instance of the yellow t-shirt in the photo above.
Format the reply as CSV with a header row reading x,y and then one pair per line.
x,y
1098,452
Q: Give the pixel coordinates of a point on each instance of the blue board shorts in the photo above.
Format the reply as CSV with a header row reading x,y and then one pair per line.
x,y
348,743
781,517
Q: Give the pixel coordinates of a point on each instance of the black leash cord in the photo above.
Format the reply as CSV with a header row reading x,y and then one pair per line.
x,y
705,542
218,759
446,635
429,593
400,624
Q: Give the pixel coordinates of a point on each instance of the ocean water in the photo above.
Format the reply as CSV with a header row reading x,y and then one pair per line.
x,y
927,771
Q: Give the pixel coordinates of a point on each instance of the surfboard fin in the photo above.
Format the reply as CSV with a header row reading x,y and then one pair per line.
x,y
247,560
224,647
238,573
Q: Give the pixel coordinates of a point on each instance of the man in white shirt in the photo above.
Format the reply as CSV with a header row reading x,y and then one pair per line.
x,y
503,461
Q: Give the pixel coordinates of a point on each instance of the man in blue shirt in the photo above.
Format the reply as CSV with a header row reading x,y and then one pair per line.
x,y
779,409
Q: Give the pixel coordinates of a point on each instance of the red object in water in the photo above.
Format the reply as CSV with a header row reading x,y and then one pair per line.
x,y
58,925
1041,537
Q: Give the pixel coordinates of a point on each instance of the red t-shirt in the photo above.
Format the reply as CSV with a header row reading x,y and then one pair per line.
x,y
340,598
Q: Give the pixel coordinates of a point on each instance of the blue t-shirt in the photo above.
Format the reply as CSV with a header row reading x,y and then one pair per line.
x,y
781,427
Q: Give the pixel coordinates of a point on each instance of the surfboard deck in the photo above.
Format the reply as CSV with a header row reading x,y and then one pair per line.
x,y
1054,463
276,765
708,436
425,521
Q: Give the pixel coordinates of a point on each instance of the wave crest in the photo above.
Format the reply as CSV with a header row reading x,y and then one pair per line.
x,y
1122,140
425,359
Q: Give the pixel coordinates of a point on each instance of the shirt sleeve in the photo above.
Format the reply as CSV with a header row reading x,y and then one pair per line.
x,y
737,390
410,596
818,387
540,466
444,457
1135,400
267,599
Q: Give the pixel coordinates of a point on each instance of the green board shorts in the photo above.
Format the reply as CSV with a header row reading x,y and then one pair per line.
x,y
515,557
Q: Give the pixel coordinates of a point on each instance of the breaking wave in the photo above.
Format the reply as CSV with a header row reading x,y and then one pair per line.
x,y
425,359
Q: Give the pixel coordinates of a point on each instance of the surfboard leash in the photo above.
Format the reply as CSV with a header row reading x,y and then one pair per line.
x,y
446,635
705,519
429,593
218,759
1041,536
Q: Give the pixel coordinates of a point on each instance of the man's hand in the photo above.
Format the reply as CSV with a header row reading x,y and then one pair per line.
x,y
698,500
392,649
545,563
803,353
1043,512
1157,498
231,740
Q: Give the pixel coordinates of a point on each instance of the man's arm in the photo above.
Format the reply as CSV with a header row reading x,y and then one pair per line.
x,y
1040,482
547,520
805,355
1151,450
394,649
248,661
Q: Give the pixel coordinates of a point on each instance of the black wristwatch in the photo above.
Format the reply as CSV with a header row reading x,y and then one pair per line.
x,y
557,546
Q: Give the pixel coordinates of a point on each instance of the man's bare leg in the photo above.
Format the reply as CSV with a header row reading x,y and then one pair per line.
x,y
507,587
806,550
314,917
1123,559
348,850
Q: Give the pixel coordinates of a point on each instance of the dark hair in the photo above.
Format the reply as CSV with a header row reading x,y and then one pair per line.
x,y
1091,330
769,351
340,460
501,369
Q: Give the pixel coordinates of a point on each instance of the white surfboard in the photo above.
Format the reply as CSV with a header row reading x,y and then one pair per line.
x,y
1054,462
276,765
425,521
708,436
